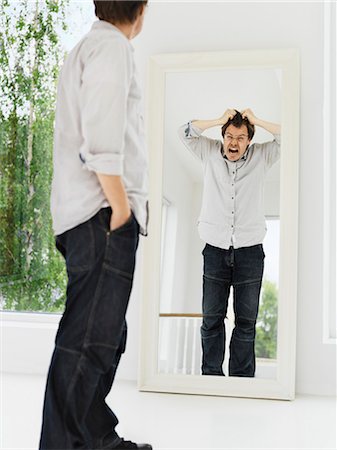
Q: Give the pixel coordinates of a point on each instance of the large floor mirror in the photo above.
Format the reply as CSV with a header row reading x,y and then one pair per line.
x,y
184,87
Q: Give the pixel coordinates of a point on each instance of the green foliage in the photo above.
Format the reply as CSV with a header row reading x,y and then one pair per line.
x,y
32,274
266,327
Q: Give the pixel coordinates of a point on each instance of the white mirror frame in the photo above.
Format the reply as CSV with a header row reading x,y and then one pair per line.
x,y
283,386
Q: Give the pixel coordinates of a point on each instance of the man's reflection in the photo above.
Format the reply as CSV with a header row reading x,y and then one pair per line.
x,y
232,225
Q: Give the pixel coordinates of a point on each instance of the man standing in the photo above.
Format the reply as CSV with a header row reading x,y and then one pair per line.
x,y
99,206
232,224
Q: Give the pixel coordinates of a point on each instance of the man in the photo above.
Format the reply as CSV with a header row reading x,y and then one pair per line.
x,y
232,224
99,206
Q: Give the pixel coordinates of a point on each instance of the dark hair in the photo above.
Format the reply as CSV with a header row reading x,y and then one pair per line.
x,y
237,121
123,11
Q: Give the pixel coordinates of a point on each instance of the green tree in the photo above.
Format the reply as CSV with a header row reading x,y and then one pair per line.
x,y
32,275
266,327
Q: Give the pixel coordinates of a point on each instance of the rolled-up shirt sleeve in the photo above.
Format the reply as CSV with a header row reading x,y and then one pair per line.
x,y
199,145
104,94
271,151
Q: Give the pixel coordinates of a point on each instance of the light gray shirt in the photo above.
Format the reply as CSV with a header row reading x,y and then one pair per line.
x,y
232,211
98,129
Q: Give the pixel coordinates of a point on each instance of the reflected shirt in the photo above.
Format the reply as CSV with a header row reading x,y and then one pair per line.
x,y
98,129
232,211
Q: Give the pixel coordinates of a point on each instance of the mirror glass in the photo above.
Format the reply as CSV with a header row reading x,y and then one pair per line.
x,y
201,95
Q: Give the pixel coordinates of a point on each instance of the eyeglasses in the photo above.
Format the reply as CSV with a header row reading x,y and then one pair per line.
x,y
240,138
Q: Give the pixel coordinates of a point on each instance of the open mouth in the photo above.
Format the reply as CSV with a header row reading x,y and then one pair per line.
x,y
233,150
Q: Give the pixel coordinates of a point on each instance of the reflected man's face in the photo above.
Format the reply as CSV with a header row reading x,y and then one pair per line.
x,y
235,142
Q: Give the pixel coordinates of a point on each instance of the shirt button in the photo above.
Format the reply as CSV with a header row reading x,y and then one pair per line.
x,y
232,198
232,212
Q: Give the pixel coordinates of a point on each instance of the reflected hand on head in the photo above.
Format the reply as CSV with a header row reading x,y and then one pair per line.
x,y
227,115
248,114
273,128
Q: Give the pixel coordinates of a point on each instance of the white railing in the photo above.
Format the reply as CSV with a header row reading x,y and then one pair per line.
x,y
179,343
180,350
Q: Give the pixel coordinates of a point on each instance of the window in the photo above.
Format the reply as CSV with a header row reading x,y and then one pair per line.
x,y
34,40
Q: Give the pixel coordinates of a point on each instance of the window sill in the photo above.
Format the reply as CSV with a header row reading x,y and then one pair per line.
x,y
27,341
30,319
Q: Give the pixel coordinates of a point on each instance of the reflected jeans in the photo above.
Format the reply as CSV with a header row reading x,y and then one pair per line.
x,y
91,336
241,268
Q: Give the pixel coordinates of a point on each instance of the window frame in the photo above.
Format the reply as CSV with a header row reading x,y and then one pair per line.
x,y
329,269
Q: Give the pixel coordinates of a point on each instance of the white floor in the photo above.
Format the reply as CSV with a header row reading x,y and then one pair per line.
x,y
170,421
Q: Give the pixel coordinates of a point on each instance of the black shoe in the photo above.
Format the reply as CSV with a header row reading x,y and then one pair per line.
x,y
124,445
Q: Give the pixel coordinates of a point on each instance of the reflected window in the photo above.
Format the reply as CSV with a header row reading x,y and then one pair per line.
x,y
168,248
266,328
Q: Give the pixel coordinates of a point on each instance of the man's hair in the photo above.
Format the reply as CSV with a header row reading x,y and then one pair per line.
x,y
237,121
123,11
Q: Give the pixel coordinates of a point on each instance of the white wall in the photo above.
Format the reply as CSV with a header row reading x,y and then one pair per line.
x,y
178,189
210,26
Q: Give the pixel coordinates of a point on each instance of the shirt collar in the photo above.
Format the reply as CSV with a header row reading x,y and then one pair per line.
x,y
104,25
243,157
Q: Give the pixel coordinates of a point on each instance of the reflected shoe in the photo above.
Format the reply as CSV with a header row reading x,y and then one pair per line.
x,y
125,445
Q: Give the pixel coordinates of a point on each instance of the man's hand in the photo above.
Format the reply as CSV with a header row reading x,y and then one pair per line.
x,y
248,114
227,115
273,128
114,191
119,218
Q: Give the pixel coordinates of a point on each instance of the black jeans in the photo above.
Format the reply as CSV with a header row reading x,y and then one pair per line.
x,y
241,268
91,335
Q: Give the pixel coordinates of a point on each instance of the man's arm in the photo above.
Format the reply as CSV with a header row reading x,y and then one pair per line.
x,y
104,94
269,150
273,128
114,191
205,124
190,134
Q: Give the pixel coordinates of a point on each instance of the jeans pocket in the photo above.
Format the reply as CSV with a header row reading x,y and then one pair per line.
x,y
262,251
103,218
125,226
78,247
